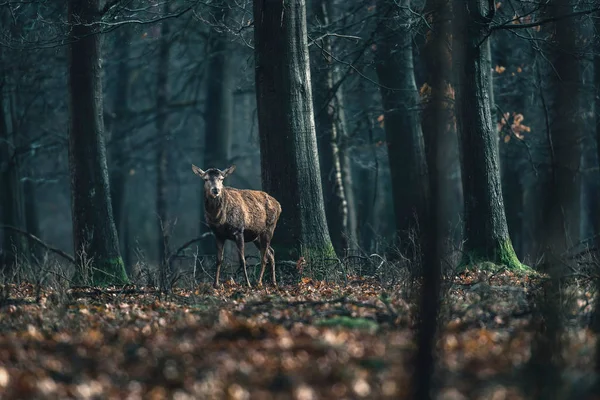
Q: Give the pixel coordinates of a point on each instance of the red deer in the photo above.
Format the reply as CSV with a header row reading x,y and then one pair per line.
x,y
241,216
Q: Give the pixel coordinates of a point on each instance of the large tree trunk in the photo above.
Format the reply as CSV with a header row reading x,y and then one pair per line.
x,y
94,233
218,113
565,114
438,92
289,158
327,107
436,116
402,123
164,144
486,231
119,146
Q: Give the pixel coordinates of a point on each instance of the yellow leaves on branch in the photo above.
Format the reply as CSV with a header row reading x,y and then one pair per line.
x,y
499,69
425,92
513,122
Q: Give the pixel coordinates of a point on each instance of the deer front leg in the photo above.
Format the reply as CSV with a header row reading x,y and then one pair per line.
x,y
239,240
220,248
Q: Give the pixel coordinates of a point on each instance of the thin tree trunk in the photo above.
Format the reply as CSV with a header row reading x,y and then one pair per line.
x,y
395,71
486,231
218,114
31,214
597,114
94,233
12,246
119,146
326,107
164,144
289,158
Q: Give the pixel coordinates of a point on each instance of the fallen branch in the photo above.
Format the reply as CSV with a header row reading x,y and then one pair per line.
x,y
186,245
40,242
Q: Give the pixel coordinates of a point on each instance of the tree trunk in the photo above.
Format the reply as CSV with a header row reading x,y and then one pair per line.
x,y
437,87
218,113
394,65
119,146
436,116
13,244
486,231
31,215
288,145
164,144
94,233
565,129
348,179
326,107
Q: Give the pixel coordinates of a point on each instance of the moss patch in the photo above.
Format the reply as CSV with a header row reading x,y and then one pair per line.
x,y
107,272
502,257
318,261
349,323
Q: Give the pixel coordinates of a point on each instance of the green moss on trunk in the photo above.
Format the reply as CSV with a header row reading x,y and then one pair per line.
x,y
106,272
317,258
502,255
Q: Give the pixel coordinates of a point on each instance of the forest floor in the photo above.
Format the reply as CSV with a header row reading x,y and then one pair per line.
x,y
307,341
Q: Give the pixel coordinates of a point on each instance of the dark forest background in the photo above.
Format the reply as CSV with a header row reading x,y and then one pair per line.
x,y
178,88
404,139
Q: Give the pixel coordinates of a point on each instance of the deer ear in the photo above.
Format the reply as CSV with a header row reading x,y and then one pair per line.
x,y
228,171
198,171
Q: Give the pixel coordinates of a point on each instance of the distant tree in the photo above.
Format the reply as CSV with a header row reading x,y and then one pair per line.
x,y
164,141
486,231
327,120
597,95
218,112
394,66
289,158
94,233
119,130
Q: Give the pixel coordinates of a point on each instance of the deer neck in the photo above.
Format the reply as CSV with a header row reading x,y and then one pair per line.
x,y
214,208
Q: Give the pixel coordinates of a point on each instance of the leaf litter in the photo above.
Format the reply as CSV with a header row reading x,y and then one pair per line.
x,y
312,340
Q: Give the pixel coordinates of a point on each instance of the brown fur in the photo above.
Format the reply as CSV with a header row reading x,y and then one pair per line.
x,y
241,216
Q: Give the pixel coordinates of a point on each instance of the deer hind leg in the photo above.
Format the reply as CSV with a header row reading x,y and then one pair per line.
x,y
239,240
263,258
220,248
271,253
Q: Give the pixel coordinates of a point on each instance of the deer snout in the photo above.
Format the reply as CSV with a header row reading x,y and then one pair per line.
x,y
214,191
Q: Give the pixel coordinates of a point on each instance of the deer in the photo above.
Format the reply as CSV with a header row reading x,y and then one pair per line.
x,y
240,215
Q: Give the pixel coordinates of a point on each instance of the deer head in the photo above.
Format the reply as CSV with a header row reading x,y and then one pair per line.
x,y
213,179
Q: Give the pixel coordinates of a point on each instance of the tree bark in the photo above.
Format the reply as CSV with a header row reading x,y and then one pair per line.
x,y
31,214
565,129
13,245
436,117
94,233
164,144
395,71
218,113
486,231
289,158
119,146
438,92
326,105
